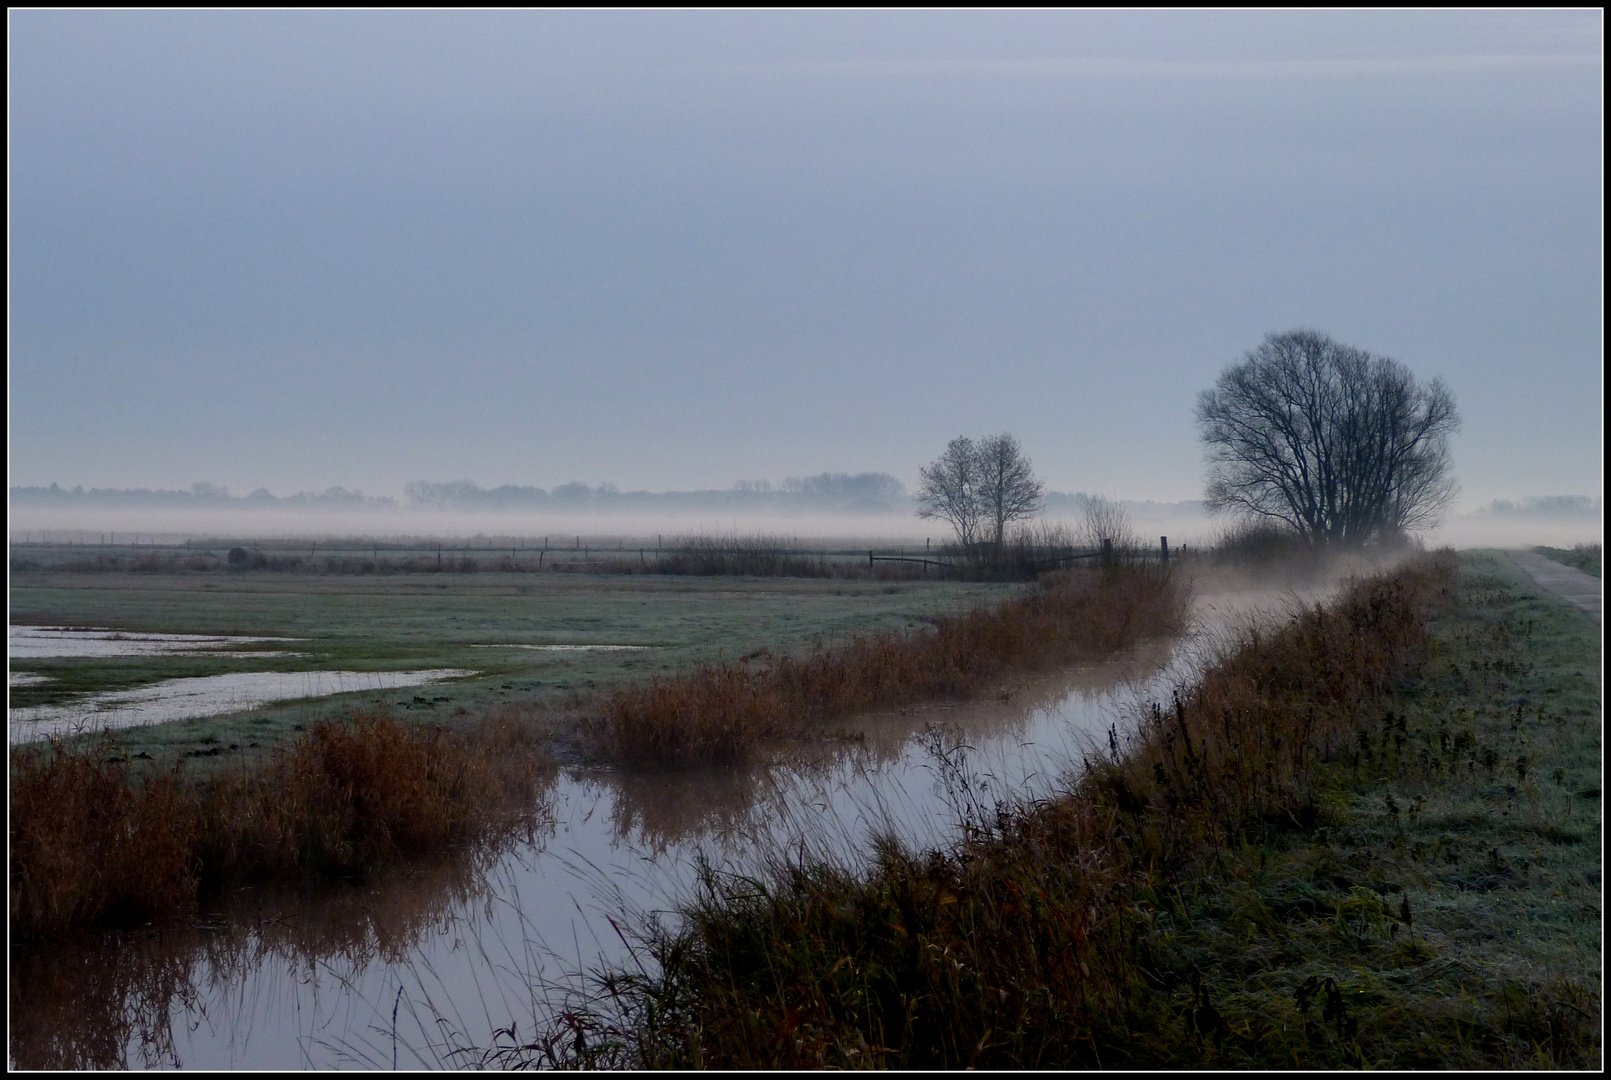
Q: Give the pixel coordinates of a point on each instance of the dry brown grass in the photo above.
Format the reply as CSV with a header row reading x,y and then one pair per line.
x,y
1239,748
89,846
723,712
357,795
94,842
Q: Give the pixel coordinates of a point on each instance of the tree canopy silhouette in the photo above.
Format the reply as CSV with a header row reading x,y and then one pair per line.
x,y
1341,446
980,488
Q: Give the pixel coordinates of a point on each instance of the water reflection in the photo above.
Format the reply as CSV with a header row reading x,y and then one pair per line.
x,y
140,999
1043,715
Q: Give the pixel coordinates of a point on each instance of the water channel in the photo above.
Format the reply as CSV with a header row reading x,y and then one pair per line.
x,y
422,967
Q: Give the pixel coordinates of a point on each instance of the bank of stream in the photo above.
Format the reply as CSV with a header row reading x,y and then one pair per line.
x,y
413,967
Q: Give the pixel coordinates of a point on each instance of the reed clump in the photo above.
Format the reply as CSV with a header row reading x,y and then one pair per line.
x,y
90,845
96,842
721,713
352,796
1062,933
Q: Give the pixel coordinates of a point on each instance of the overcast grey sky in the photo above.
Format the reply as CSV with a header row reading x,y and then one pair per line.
x,y
678,249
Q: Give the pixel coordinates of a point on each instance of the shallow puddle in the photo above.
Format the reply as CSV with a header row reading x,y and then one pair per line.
x,y
210,695
423,970
40,642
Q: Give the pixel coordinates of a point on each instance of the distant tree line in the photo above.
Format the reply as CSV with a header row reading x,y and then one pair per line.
x,y
200,494
1548,506
867,492
857,492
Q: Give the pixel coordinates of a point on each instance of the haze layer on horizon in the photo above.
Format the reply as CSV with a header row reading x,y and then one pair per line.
x,y
675,250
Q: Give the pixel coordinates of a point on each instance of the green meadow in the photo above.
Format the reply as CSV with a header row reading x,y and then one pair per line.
x,y
416,621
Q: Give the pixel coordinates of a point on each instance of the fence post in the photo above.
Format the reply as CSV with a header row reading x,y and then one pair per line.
x,y
869,558
1163,546
1107,550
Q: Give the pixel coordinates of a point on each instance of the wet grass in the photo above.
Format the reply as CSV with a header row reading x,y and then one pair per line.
x,y
1586,557
1368,839
437,621
97,840
723,713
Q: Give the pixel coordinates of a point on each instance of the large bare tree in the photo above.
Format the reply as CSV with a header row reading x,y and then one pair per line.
x,y
980,488
1340,445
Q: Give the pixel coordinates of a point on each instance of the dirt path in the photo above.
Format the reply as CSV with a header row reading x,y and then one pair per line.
x,y
1568,582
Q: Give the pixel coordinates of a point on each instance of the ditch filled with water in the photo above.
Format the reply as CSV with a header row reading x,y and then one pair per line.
x,y
425,966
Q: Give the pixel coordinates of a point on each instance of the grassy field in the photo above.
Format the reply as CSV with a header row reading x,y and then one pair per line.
x,y
438,621
1371,839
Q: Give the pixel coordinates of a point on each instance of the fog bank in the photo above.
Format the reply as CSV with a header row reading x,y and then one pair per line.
x,y
1559,521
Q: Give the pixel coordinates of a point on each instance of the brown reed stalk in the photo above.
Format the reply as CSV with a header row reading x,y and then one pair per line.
x,y
722,712
90,846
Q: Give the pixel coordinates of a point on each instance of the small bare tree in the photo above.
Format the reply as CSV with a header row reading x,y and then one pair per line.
x,y
980,488
950,490
1342,446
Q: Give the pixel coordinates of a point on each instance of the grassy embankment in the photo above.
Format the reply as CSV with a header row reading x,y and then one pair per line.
x,y
1586,557
1370,839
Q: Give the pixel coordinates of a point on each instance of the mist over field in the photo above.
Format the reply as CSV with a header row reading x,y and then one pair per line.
x,y
632,518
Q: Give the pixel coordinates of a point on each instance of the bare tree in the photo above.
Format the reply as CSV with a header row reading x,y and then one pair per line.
x,y
1008,487
1343,446
950,490
980,488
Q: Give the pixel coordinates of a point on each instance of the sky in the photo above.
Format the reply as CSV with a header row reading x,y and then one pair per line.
x,y
674,250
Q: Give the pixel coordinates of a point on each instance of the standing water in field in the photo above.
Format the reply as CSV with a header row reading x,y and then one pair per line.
x,y
174,699
424,967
